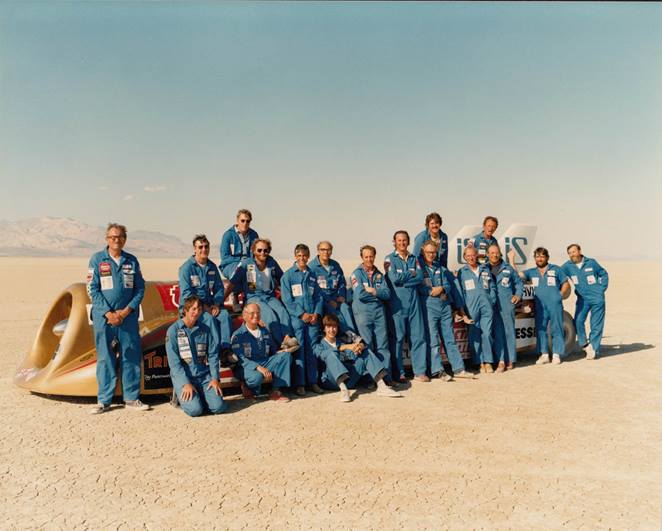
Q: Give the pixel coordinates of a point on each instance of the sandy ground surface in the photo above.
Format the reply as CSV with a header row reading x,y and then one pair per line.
x,y
577,446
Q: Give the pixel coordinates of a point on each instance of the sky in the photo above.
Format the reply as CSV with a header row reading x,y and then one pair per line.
x,y
340,121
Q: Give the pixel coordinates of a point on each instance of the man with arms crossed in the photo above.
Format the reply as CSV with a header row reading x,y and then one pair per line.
x,y
116,287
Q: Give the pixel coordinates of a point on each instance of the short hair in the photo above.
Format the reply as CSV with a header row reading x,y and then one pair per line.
x,y
432,216
325,241
430,242
245,212
488,218
494,245
248,306
260,240
302,247
573,245
190,302
202,238
367,248
330,320
401,232
542,251
469,248
117,226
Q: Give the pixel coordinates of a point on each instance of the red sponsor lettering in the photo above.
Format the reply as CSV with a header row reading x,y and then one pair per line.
x,y
169,296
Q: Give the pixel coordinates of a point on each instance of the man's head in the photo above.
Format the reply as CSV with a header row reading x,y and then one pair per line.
x,y
429,251
261,249
368,253
251,315
433,223
575,253
324,251
401,241
191,310
470,256
115,237
331,325
541,256
494,254
490,224
244,218
201,248
301,255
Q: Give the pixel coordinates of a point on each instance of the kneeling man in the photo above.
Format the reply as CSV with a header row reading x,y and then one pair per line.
x,y
193,359
256,350
346,364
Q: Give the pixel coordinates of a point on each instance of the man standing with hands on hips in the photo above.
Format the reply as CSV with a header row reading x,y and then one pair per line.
x,y
116,287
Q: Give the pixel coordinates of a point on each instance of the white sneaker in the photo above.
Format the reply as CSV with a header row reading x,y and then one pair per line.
x,y
344,396
544,358
590,353
388,392
556,359
99,408
136,405
465,374
289,344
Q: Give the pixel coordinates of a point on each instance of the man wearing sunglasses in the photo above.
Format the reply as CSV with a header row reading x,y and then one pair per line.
x,y
200,277
116,287
237,242
258,277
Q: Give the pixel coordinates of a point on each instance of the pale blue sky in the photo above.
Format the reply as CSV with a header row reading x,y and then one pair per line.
x,y
343,121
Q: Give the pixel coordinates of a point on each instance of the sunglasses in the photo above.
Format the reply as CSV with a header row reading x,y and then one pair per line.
x,y
263,251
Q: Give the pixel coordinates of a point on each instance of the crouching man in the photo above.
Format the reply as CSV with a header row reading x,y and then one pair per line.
x,y
192,351
346,364
259,361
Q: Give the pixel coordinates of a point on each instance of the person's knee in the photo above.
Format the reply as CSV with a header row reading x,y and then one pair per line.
x,y
218,406
253,379
193,407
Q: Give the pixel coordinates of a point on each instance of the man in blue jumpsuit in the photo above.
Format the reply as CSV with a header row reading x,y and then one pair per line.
x,y
303,301
192,351
116,287
404,276
346,363
257,277
591,281
550,287
331,280
199,276
484,239
509,289
370,292
260,362
479,294
236,243
439,294
433,232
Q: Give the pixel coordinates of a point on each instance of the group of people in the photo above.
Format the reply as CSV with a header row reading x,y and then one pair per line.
x,y
305,329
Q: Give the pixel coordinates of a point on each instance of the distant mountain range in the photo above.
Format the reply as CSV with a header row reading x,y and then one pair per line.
x,y
49,236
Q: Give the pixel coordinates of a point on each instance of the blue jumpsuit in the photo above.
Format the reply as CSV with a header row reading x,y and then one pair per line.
x,y
591,281
205,282
193,359
439,315
549,307
254,352
481,243
369,314
301,294
508,284
260,287
112,287
235,248
479,295
332,285
404,277
347,366
442,250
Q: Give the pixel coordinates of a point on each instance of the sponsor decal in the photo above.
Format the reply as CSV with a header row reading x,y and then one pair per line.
x,y
104,269
169,294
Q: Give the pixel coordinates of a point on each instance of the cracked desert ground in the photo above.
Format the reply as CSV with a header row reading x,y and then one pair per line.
x,y
577,446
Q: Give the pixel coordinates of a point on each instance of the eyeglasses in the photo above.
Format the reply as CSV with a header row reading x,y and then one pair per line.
x,y
114,238
204,246
263,251
244,221
324,250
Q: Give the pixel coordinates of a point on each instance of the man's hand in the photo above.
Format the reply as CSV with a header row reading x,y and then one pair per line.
x,y
372,291
515,299
306,317
113,318
214,310
215,386
187,392
265,372
314,318
436,291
